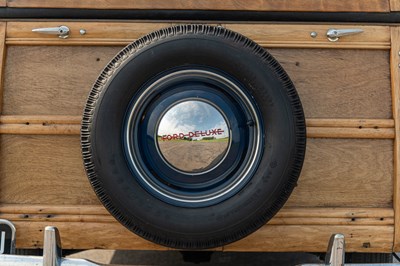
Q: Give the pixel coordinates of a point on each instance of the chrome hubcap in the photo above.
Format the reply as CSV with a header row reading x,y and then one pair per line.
x,y
193,137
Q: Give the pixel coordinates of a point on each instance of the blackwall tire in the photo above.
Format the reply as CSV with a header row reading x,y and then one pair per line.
x,y
213,74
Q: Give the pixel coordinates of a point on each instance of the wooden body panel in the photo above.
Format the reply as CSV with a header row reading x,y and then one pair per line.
x,y
58,80
32,171
346,88
258,5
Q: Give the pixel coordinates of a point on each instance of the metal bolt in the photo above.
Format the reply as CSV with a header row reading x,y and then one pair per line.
x,y
313,34
399,53
82,31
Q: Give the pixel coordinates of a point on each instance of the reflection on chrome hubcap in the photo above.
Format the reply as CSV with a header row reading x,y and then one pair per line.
x,y
193,136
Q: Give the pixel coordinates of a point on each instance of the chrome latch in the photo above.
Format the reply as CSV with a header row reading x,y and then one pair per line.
x,y
334,34
62,31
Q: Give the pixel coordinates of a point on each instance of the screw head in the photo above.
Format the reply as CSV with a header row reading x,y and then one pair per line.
x,y
313,34
82,31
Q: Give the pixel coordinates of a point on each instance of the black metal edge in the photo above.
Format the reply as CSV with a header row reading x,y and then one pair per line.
x,y
198,15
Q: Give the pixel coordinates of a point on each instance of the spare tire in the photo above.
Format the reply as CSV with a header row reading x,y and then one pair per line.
x,y
193,137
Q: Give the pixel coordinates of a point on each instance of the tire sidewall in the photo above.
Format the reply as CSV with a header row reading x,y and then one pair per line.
x,y
235,217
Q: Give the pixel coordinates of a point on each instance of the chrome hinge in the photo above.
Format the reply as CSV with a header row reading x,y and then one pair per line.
x,y
61,31
334,34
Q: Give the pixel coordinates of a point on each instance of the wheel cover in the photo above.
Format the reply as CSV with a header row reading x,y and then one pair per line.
x,y
167,114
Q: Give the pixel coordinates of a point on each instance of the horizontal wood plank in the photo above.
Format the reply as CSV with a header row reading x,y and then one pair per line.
x,y
49,218
325,221
373,37
267,35
331,83
340,212
43,169
83,236
273,238
312,132
345,172
32,168
259,5
310,122
314,238
353,133
288,212
61,78
54,209
69,125
286,216
93,228
59,119
346,123
124,42
32,129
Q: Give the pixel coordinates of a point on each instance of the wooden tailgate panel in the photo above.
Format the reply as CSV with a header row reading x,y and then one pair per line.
x,y
346,184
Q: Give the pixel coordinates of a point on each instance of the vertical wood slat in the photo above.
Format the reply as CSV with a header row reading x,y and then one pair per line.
x,y
3,26
395,78
2,59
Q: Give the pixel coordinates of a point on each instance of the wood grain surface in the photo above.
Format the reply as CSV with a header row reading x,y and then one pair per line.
x,y
345,173
331,83
273,238
32,170
267,35
253,5
3,49
312,132
311,238
394,5
339,83
51,80
316,128
366,229
286,216
395,77
43,169
298,36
